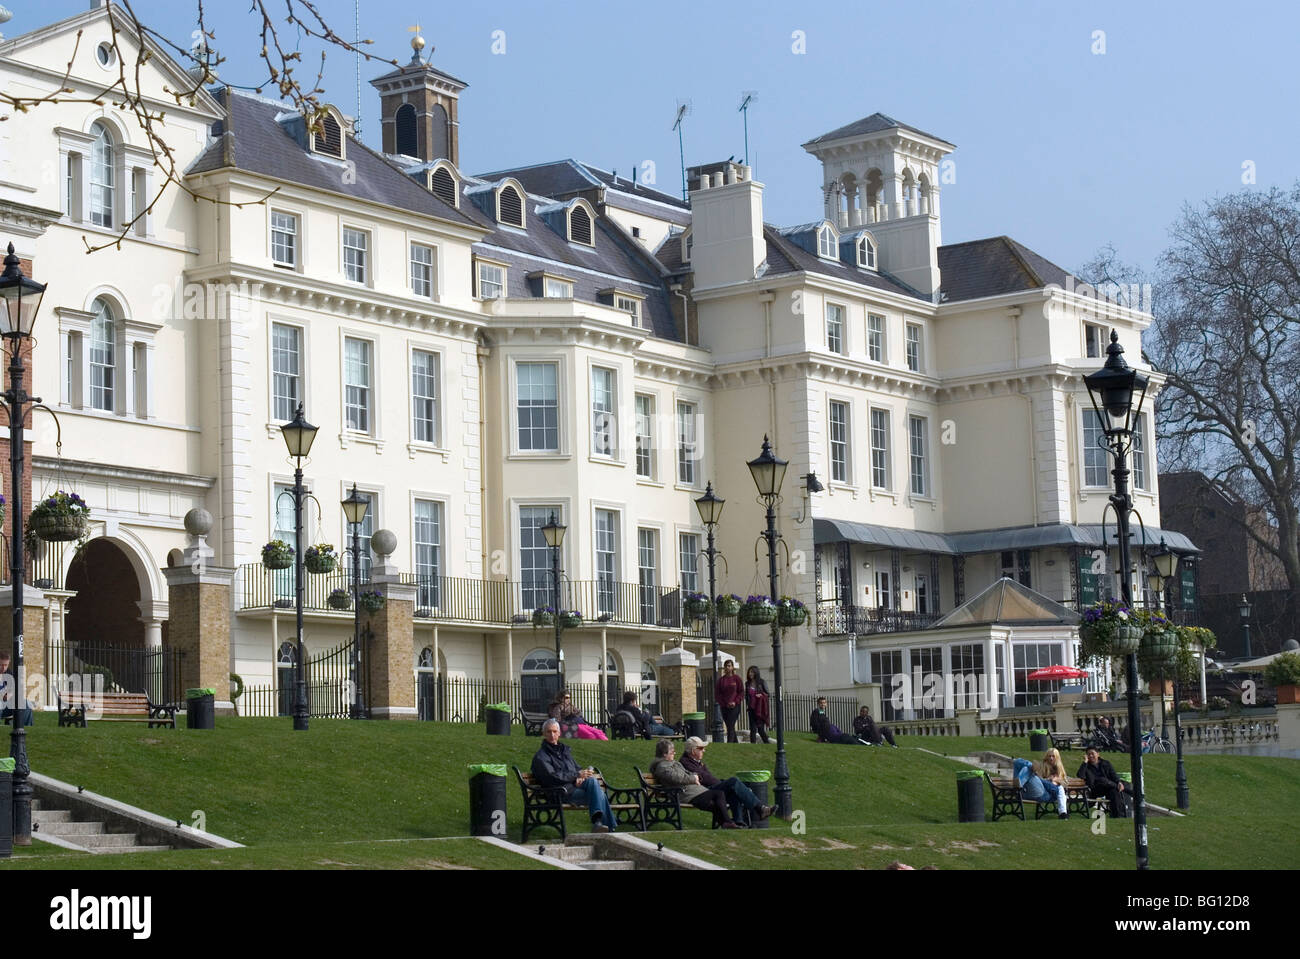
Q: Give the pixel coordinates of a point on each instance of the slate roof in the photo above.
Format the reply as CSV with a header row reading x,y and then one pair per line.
x,y
563,177
416,65
250,138
612,262
992,267
875,123
784,256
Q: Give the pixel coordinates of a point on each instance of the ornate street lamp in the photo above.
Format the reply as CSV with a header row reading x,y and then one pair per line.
x,y
1165,561
1244,609
355,508
22,299
1112,390
768,471
298,437
554,533
710,507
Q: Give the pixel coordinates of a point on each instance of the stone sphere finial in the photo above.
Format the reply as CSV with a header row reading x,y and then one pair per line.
x,y
384,542
198,522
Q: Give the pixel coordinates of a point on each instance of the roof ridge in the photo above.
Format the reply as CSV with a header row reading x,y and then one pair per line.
x,y
1015,248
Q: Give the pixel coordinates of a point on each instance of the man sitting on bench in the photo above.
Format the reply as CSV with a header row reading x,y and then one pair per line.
x,y
643,723
738,794
555,768
668,772
1103,783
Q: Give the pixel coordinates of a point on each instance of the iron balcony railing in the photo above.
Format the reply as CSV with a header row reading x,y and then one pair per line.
x,y
833,619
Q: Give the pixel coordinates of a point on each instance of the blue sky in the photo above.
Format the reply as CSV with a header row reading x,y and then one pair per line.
x,y
1060,145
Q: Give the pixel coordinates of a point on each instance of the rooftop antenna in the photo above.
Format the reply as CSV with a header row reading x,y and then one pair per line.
x,y
747,97
683,111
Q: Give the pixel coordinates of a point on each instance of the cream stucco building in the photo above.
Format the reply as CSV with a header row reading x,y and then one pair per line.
x,y
483,351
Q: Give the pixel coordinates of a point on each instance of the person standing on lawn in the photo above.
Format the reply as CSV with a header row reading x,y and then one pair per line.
x,y
758,703
738,794
731,693
555,768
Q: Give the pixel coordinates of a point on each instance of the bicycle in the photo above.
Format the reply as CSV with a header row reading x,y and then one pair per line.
x,y
1151,743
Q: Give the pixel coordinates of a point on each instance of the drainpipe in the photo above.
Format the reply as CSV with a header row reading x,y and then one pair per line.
x,y
483,352
686,314
1014,314
767,298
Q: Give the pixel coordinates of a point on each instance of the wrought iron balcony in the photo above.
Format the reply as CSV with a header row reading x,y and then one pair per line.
x,y
834,619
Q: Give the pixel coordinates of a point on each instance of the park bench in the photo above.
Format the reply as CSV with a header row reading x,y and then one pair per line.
x,y
76,706
1067,740
1008,801
621,726
660,803
532,723
545,805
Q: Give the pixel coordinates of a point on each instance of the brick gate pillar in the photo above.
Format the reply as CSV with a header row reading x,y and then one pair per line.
x,y
198,609
391,649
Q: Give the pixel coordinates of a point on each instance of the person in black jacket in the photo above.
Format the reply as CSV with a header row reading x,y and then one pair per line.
x,y
739,796
1103,783
826,731
865,728
554,767
642,722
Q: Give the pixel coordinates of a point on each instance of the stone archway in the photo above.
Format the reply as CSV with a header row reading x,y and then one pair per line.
x,y
106,607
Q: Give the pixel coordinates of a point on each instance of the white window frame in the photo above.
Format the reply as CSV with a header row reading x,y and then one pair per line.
x,y
651,589
604,422
1088,413
846,461
648,448
867,253
431,268
300,377
479,264
914,336
1140,473
112,186
694,442
437,399
886,453
828,246
1102,340
835,329
556,289
693,571
296,262
606,595
367,261
372,388
548,506
878,352
629,304
925,491
561,400
429,597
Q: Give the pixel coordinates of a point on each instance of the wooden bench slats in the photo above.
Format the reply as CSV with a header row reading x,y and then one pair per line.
x,y
1008,801
75,707
543,806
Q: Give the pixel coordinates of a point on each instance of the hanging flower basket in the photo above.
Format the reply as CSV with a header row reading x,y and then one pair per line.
x,y
1126,639
697,605
728,605
320,558
277,554
1099,627
570,619
757,611
371,601
545,616
791,612
60,518
339,599
1158,647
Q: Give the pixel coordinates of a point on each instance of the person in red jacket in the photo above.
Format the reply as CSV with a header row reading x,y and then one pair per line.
x,y
730,692
757,698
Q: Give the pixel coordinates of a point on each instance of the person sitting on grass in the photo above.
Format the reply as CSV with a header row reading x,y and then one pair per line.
x,y
1103,783
555,768
643,723
826,731
668,772
739,796
865,728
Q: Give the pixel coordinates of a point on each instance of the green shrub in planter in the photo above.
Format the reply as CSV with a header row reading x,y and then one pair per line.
x,y
1283,671
277,554
320,558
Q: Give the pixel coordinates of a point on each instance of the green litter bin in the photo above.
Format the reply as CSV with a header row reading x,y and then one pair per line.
x,y
757,780
201,708
487,799
1039,741
970,795
497,716
695,725
6,808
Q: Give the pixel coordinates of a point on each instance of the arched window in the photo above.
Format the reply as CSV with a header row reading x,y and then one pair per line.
x,y
330,139
538,680
510,206
649,689
103,190
103,340
580,226
827,246
443,185
285,661
439,134
408,142
867,253
613,688
425,679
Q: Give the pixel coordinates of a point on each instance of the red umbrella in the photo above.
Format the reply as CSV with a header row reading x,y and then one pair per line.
x,y
1058,672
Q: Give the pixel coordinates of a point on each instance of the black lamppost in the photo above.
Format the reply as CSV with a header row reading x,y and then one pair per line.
x,y
1111,390
554,532
22,299
768,471
1244,609
355,508
298,437
1166,565
710,507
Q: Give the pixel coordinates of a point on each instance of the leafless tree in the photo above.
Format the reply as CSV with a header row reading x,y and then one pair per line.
x,y
273,19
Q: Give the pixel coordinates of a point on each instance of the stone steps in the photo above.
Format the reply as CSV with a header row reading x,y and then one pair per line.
x,y
87,835
583,855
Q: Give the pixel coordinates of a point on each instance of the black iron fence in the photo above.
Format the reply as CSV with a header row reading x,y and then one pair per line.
x,y
155,670
799,708
459,700
274,588
834,619
329,687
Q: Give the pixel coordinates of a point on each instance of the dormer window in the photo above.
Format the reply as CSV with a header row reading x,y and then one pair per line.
x,y
827,245
443,185
510,206
866,253
580,225
329,139
687,242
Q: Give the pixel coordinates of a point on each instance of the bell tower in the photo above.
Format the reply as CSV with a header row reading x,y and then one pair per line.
x,y
419,108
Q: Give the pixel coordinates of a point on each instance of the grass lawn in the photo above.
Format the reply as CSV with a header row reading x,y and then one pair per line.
x,y
329,797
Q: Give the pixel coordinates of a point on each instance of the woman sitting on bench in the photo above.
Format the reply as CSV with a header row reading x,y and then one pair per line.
x,y
562,709
1036,782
